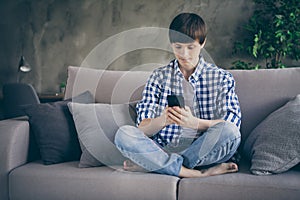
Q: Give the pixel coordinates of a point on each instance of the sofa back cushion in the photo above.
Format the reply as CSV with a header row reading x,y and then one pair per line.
x,y
263,91
260,92
107,86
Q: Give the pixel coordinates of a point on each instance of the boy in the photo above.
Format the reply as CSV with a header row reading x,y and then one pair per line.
x,y
175,140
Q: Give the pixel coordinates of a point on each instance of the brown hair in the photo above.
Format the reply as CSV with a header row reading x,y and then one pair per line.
x,y
186,28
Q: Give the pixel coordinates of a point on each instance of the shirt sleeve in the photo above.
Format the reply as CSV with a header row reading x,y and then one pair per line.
x,y
147,107
228,103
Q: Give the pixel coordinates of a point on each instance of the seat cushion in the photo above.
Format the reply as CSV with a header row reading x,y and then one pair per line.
x,y
67,181
242,185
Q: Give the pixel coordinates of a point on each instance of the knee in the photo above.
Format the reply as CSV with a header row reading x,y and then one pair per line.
x,y
232,130
228,130
126,136
229,134
232,133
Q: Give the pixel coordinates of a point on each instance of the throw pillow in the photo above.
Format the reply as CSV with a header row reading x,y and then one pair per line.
x,y
97,125
274,145
54,130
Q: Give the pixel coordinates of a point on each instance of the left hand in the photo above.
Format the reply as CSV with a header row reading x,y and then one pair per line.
x,y
183,117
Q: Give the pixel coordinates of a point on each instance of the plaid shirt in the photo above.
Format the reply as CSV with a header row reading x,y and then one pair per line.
x,y
215,96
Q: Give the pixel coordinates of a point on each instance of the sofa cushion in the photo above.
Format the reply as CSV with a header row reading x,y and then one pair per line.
x,y
35,181
263,91
96,125
256,102
274,145
107,86
241,185
54,130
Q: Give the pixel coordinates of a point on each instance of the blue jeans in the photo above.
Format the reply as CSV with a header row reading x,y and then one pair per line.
x,y
216,145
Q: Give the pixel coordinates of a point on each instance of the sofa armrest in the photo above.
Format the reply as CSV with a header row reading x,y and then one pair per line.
x,y
14,144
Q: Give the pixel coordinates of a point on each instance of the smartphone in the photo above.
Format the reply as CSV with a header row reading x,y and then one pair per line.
x,y
175,100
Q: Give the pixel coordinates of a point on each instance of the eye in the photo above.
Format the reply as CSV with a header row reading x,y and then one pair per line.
x,y
177,46
191,47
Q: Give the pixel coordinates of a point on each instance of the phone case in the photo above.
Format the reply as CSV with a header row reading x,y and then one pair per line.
x,y
175,100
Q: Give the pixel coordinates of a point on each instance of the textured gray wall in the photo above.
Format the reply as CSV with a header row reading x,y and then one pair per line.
x,y
58,33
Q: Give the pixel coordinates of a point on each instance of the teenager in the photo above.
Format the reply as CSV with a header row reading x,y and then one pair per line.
x,y
205,132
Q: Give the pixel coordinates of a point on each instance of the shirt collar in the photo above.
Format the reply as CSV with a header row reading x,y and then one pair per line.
x,y
197,73
177,69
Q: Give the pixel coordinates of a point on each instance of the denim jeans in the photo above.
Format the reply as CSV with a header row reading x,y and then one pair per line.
x,y
216,145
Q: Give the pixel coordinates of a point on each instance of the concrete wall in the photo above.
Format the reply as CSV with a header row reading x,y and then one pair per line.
x,y
57,33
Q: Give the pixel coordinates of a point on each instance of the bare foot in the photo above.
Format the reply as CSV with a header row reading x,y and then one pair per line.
x,y
130,166
222,168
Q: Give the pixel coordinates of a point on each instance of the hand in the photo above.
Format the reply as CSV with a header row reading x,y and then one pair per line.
x,y
164,117
151,126
182,117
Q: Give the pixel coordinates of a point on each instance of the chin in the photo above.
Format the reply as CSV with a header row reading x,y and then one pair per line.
x,y
187,66
185,63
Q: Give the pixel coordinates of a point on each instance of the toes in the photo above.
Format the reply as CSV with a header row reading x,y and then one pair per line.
x,y
127,164
232,167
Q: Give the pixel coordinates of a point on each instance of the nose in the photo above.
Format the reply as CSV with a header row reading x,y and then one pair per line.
x,y
183,52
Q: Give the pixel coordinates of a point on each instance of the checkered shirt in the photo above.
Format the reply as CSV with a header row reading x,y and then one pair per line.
x,y
214,98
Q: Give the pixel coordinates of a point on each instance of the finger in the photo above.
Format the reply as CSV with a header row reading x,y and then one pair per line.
x,y
178,119
181,111
175,118
171,121
175,111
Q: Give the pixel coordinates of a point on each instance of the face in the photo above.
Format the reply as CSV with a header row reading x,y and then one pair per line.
x,y
187,54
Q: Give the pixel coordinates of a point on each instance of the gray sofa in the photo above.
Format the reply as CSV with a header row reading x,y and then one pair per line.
x,y
23,176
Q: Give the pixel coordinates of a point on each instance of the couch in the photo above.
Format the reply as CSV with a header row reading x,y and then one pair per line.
x,y
24,176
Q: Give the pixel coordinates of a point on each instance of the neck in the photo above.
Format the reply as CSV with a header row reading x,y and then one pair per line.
x,y
187,72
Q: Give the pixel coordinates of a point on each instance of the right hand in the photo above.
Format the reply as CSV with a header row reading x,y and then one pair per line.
x,y
165,117
151,126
